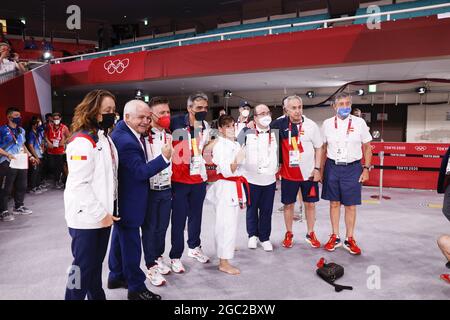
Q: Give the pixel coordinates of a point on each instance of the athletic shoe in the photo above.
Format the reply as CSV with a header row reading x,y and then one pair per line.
x,y
36,191
312,240
288,242
350,245
445,277
143,295
253,242
333,243
155,277
6,216
177,266
198,254
163,268
42,188
267,245
22,210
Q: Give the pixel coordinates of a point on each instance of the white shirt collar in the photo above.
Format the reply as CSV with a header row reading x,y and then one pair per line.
x,y
138,135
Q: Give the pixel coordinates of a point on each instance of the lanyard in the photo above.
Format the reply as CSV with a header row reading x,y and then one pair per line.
x,y
112,153
193,143
298,136
150,139
349,124
53,133
13,135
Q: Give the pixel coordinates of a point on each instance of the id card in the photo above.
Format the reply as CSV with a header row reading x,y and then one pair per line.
x,y
341,155
294,158
195,165
55,143
160,180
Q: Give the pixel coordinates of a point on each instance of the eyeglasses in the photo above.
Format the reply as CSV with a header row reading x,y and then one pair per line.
x,y
263,114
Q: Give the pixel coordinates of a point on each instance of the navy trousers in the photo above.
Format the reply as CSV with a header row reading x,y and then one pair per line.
x,y
187,203
155,225
88,249
125,257
259,212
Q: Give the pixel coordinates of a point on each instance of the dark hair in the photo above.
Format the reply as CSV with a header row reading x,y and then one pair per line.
x,y
11,110
48,115
56,114
224,120
158,100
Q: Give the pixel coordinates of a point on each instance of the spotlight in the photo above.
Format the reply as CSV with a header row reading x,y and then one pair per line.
x,y
360,92
145,22
310,94
421,90
23,21
47,55
227,94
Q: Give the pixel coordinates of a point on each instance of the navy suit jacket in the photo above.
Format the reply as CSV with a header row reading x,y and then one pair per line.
x,y
134,175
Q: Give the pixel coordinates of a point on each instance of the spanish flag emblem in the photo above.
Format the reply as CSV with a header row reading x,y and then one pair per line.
x,y
78,157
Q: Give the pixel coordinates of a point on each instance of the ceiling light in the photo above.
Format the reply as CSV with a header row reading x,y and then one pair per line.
x,y
360,92
310,94
421,90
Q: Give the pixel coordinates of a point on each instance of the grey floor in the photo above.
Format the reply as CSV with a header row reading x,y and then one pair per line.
x,y
398,239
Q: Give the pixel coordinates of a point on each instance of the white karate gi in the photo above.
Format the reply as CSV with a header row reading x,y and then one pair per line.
x,y
223,194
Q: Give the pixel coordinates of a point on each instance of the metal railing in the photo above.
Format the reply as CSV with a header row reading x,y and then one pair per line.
x,y
271,30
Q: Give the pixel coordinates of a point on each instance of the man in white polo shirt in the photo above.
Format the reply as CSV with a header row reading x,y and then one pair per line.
x,y
260,167
345,138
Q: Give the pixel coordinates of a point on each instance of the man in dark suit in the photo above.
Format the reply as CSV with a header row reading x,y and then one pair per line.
x,y
133,179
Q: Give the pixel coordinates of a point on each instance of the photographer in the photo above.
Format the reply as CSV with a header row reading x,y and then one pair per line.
x,y
6,64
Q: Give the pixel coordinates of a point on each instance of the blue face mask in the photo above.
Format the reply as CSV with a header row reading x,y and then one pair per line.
x,y
17,120
344,112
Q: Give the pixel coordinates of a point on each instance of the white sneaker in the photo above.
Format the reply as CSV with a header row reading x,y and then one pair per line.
x,y
267,245
163,268
22,210
253,242
176,266
198,254
155,277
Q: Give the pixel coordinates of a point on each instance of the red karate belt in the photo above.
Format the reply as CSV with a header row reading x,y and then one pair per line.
x,y
239,182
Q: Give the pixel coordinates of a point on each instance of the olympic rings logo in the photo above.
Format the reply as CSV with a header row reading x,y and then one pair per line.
x,y
420,148
116,66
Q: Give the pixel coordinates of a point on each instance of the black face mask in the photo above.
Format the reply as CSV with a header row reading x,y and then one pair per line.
x,y
107,122
200,116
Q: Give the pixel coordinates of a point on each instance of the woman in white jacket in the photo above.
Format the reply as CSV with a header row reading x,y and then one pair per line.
x,y
227,193
91,193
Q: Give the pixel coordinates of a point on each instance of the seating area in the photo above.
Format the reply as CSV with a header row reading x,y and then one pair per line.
x,y
270,23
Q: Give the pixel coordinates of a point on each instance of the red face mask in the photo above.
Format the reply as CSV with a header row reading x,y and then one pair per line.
x,y
164,122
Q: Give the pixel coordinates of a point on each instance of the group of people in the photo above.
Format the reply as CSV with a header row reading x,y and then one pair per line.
x,y
149,170
28,158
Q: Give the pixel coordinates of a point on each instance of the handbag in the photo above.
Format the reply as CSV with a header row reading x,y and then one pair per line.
x,y
330,272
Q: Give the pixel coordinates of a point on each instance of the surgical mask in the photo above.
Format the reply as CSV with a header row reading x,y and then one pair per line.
x,y
17,120
344,112
57,122
201,115
245,113
265,121
164,122
107,122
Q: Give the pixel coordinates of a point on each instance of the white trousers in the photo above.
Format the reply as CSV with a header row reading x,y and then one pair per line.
x,y
225,230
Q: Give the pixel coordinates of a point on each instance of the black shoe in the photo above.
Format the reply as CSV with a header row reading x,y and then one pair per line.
x,y
143,295
116,284
448,264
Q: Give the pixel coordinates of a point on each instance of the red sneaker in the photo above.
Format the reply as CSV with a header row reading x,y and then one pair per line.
x,y
333,243
288,242
350,245
312,240
445,277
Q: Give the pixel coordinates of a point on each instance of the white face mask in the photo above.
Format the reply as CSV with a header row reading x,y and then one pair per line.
x,y
56,122
245,113
265,121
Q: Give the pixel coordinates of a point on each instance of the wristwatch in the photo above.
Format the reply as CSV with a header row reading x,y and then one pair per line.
x,y
318,169
367,167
